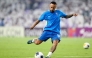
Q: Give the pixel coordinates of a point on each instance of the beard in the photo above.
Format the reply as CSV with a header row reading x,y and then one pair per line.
x,y
51,11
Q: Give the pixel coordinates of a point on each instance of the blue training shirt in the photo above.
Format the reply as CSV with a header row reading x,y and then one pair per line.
x,y
53,20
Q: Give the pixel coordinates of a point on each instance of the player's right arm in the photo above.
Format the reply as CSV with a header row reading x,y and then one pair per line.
x,y
41,18
35,23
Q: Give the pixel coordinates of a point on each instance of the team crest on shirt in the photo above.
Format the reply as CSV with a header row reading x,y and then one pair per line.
x,y
56,13
49,17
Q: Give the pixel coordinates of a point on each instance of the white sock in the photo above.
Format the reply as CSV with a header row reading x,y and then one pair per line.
x,y
33,40
49,54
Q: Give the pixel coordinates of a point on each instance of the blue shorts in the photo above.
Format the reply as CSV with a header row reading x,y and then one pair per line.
x,y
49,34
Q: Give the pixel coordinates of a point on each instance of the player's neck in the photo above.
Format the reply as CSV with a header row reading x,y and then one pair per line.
x,y
52,11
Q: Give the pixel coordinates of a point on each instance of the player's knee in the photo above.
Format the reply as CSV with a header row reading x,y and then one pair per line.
x,y
55,42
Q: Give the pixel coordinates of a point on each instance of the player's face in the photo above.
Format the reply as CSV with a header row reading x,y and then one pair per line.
x,y
52,7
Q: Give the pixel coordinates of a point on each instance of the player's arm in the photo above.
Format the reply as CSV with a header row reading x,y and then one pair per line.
x,y
34,24
69,16
41,18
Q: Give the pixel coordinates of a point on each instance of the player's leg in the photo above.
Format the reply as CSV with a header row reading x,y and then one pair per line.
x,y
55,40
44,36
35,41
54,45
53,48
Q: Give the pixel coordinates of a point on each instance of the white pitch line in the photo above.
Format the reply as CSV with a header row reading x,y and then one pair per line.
x,y
75,56
68,57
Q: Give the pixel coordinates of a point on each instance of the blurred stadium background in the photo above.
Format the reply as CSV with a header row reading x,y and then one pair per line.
x,y
16,17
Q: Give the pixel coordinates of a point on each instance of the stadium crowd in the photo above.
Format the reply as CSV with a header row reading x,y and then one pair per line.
x,y
25,12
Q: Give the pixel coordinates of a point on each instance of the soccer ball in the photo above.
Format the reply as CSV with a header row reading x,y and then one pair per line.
x,y
38,55
86,45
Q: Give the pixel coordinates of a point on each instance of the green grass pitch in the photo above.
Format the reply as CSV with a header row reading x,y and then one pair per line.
x,y
67,48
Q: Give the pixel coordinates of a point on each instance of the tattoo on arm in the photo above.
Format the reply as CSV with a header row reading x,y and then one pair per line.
x,y
69,16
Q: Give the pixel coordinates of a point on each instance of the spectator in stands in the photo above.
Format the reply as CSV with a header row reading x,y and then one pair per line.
x,y
2,22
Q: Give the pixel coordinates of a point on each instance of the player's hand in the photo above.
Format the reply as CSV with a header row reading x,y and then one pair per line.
x,y
75,14
31,28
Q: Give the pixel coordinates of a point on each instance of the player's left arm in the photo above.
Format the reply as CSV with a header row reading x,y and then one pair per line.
x,y
69,16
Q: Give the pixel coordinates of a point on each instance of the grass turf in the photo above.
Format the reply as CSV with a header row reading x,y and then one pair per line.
x,y
67,48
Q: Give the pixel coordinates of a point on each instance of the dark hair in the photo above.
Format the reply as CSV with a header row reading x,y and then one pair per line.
x,y
53,2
